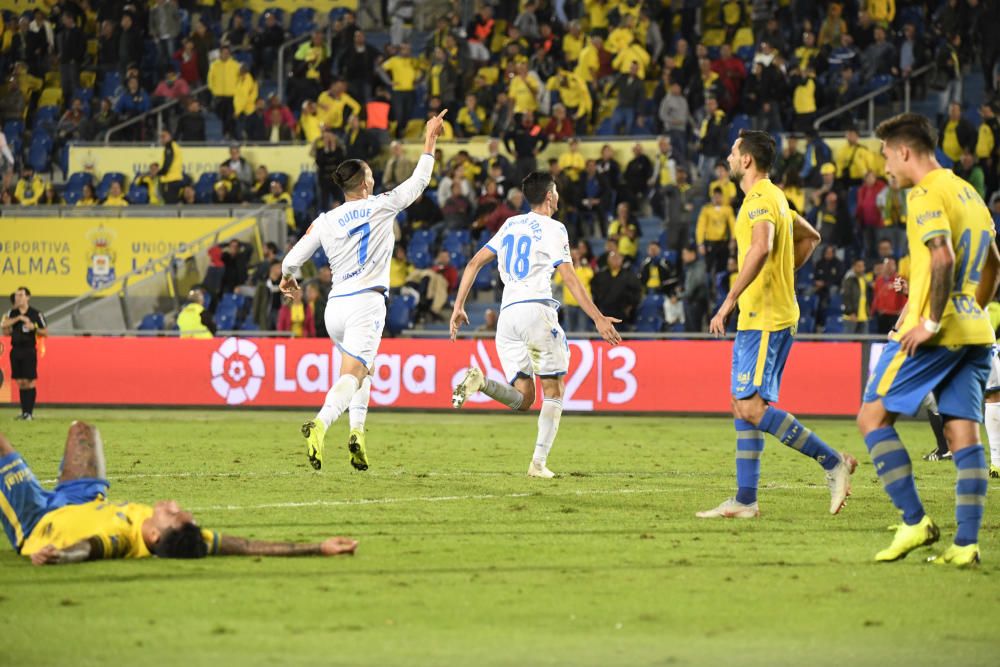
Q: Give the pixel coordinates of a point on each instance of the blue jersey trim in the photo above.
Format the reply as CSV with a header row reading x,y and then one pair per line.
x,y
548,302
552,375
491,249
353,356
375,289
558,262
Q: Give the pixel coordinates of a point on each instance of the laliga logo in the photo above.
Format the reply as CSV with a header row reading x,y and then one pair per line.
x,y
237,371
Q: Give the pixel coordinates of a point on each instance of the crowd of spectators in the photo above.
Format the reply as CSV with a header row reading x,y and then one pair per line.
x,y
528,75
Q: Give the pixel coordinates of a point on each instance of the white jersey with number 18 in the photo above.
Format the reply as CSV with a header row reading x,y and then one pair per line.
x,y
357,236
529,248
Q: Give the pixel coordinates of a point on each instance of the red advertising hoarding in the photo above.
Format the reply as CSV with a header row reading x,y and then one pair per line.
x,y
639,376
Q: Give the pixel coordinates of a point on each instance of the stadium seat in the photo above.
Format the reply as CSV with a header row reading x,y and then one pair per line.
x,y
336,14
226,320
138,194
745,52
423,236
151,322
72,195
834,325
606,128
307,179
741,121
213,128
13,128
205,186
107,180
248,324
278,12
400,315
458,258
247,15
112,81
244,58
650,316
852,202
281,177
47,114
78,179
486,278
40,153
319,258
420,259
807,325
303,20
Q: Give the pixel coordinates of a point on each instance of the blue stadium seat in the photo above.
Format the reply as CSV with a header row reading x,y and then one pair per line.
x,y
306,180
649,228
319,258
302,200
137,194
213,128
741,121
835,306
112,81
302,21
248,324
420,259
400,315
807,325
834,325
606,128
807,305
48,115
247,15
72,195
650,316
336,14
458,258
205,186
40,153
281,177
78,179
244,58
278,12
486,278
151,322
107,180
423,236
226,320
852,202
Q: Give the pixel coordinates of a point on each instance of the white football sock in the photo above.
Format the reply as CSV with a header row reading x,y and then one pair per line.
x,y
337,399
548,426
504,393
993,431
359,404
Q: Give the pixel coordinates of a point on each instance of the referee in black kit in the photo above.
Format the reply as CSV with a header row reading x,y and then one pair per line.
x,y
24,324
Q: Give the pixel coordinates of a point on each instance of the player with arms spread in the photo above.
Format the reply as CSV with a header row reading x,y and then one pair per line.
x,y
772,242
76,522
943,342
529,339
358,239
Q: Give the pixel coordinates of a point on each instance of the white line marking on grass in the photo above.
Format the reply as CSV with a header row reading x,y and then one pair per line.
x,y
420,499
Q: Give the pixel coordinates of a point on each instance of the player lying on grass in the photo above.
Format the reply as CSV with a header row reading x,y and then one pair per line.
x,y
76,522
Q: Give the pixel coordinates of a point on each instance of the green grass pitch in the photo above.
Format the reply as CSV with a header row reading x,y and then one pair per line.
x,y
466,561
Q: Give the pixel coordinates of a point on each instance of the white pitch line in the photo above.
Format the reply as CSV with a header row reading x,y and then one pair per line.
x,y
421,499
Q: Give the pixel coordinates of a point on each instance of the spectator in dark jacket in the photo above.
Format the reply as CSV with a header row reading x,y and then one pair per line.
x,y
71,45
359,142
29,47
266,43
637,174
656,274
631,94
255,125
854,290
357,66
328,154
525,141
129,44
616,291
696,290
191,124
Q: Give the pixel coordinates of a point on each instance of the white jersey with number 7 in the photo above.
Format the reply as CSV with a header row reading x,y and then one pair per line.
x,y
529,247
357,236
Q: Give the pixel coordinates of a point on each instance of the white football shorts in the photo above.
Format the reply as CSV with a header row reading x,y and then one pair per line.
x,y
531,342
993,384
355,324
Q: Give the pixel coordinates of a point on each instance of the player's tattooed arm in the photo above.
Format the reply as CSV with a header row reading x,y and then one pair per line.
x,y
91,548
238,546
942,275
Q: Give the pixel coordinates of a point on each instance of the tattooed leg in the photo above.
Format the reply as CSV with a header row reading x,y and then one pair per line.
x,y
84,455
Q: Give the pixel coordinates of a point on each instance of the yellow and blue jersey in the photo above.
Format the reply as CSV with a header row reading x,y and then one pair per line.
x,y
34,518
955,363
768,303
942,204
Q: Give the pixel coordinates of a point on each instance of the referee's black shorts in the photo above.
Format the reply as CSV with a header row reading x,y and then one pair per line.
x,y
23,363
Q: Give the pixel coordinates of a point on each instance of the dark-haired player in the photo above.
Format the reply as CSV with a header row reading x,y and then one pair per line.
x,y
529,339
772,241
943,340
25,325
358,239
76,522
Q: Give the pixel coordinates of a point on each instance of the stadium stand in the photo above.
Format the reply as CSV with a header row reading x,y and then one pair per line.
x,y
529,79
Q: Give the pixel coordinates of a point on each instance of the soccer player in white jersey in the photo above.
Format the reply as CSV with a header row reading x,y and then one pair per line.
x,y
529,339
358,239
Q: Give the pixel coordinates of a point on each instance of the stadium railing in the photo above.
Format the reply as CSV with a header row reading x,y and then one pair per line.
x,y
157,111
118,308
871,97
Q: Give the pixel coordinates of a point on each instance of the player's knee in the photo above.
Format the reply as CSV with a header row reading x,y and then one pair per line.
x,y
80,429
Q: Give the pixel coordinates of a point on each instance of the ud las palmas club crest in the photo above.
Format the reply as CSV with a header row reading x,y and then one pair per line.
x,y
101,258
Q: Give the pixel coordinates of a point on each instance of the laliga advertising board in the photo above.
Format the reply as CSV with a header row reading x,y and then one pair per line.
x,y
651,376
